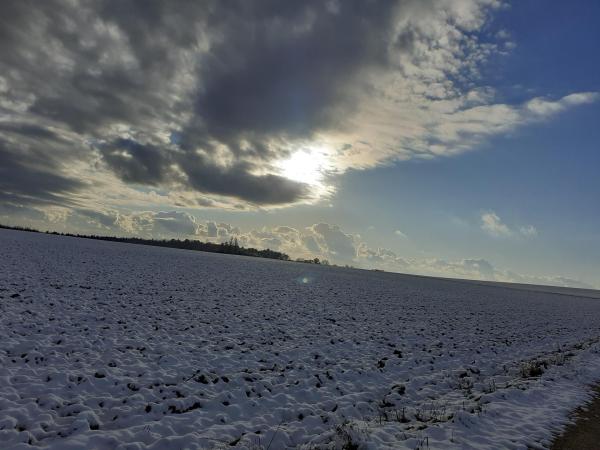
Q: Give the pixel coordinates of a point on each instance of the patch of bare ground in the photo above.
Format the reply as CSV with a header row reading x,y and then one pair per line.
x,y
584,433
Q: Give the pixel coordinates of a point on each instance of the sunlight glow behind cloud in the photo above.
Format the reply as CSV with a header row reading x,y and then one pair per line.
x,y
224,117
310,166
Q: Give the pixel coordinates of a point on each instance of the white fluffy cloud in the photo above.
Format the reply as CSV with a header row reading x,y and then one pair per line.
x,y
322,240
493,225
422,127
400,234
544,107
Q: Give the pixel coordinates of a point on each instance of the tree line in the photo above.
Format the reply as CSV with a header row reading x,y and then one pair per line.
x,y
231,247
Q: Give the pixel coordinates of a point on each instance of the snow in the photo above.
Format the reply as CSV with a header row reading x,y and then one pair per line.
x,y
106,345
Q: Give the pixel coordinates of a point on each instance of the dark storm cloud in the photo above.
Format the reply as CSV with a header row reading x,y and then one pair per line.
x,y
30,174
235,179
283,66
250,77
21,184
137,163
148,164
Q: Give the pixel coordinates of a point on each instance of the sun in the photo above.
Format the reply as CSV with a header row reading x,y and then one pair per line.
x,y
306,166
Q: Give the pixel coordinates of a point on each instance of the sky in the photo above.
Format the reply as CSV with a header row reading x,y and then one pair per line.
x,y
454,138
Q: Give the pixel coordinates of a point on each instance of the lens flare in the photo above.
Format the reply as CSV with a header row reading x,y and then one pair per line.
x,y
304,280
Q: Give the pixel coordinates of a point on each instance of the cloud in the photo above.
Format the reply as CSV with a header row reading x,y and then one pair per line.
x,y
31,158
212,231
159,224
127,83
481,269
282,69
202,101
543,107
562,281
528,231
478,269
380,258
9,211
333,242
432,128
400,234
493,225
322,240
481,266
311,245
175,222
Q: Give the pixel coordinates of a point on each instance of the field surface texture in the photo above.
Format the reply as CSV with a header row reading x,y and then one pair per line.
x,y
106,345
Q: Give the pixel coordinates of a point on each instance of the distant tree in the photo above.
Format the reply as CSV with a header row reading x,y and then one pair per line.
x,y
232,246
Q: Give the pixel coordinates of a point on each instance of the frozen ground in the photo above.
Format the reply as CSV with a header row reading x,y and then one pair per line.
x,y
106,345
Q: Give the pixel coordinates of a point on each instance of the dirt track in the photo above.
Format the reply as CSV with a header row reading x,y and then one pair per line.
x,y
584,434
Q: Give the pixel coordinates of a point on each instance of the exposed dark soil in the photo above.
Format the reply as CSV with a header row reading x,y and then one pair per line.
x,y
584,434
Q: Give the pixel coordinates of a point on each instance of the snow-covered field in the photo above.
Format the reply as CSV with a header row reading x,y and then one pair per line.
x,y
106,345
